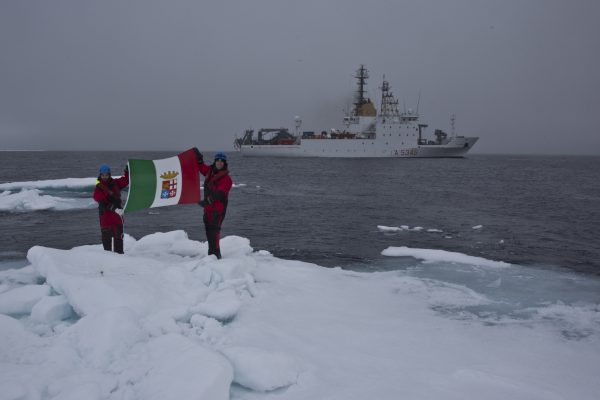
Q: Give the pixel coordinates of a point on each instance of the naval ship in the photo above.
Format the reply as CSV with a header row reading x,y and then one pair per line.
x,y
367,133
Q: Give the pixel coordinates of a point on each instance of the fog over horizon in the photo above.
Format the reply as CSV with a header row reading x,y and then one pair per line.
x,y
169,75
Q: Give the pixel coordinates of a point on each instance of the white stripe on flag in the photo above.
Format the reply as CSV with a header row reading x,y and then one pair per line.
x,y
167,197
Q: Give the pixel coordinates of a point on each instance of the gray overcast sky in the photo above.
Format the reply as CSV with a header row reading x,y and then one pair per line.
x,y
523,75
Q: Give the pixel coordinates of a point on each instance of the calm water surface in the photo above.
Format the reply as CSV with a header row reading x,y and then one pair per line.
x,y
542,211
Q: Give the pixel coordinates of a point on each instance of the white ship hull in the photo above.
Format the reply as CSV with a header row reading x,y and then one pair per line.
x,y
361,148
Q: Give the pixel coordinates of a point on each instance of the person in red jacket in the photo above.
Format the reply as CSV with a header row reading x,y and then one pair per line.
x,y
108,196
217,184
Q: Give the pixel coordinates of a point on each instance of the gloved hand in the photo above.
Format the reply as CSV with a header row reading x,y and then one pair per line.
x,y
116,203
219,195
199,155
204,202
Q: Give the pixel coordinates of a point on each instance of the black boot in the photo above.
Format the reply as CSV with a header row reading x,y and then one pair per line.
x,y
119,239
211,237
107,236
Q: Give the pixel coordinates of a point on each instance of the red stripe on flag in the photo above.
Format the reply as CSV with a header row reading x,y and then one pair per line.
x,y
190,185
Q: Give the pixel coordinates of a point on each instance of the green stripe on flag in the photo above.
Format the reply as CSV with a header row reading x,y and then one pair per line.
x,y
142,185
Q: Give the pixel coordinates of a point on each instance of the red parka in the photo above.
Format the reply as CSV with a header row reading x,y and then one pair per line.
x,y
217,185
108,196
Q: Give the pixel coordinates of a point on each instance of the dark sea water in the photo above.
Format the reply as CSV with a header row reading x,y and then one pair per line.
x,y
540,211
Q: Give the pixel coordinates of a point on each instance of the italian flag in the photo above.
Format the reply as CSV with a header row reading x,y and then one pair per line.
x,y
159,183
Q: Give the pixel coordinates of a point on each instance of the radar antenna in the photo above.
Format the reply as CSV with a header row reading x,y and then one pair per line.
x,y
389,104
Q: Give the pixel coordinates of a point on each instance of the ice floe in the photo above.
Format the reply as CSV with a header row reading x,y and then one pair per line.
x,y
167,321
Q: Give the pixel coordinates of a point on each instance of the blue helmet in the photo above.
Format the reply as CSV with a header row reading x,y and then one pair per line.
x,y
221,156
104,169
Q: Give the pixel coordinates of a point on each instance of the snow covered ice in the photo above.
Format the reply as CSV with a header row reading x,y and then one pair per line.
x,y
32,196
50,194
432,255
50,183
165,321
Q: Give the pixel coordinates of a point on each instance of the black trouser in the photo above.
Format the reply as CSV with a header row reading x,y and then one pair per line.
x,y
113,232
213,233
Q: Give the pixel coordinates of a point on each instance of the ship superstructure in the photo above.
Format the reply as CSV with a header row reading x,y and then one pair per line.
x,y
366,133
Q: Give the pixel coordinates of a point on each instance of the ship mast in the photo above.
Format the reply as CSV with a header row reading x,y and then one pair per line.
x,y
389,104
361,75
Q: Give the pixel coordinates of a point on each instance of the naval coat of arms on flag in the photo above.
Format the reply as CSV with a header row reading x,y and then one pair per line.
x,y
169,184
166,182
